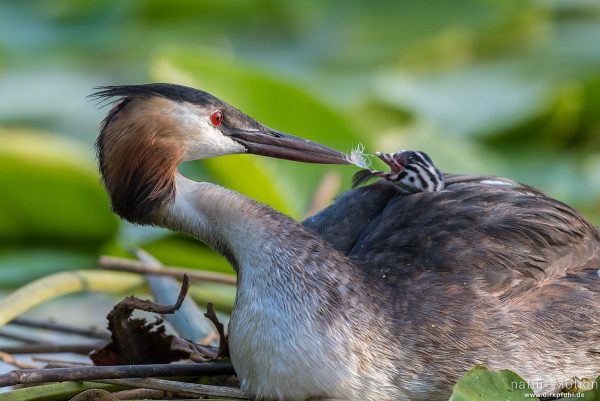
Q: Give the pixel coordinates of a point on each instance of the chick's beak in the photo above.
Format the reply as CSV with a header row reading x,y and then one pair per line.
x,y
396,162
268,142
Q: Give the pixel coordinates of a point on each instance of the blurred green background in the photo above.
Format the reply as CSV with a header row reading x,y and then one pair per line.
x,y
504,87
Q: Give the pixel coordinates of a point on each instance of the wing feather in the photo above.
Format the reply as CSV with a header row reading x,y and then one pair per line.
x,y
510,235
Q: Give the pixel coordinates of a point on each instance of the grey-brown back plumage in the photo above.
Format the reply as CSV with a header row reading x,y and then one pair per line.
x,y
503,230
488,271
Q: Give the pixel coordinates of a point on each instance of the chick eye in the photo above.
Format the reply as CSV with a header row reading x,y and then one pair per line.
x,y
216,118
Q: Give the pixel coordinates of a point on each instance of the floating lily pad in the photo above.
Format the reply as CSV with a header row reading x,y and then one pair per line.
x,y
481,384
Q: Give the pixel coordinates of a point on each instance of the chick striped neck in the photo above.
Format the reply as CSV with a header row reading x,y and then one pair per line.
x,y
411,172
421,175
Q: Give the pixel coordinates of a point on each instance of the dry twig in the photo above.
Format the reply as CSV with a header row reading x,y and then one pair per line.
x,y
135,341
18,337
150,306
30,376
83,349
181,388
59,363
188,321
129,265
223,344
61,328
11,360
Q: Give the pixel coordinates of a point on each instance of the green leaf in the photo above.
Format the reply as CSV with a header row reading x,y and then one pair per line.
x,y
222,296
470,102
481,384
252,177
24,264
50,193
588,390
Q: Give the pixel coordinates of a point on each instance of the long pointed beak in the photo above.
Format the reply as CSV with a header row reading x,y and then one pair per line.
x,y
268,142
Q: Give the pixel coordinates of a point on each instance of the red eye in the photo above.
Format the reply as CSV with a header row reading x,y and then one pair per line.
x,y
216,118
